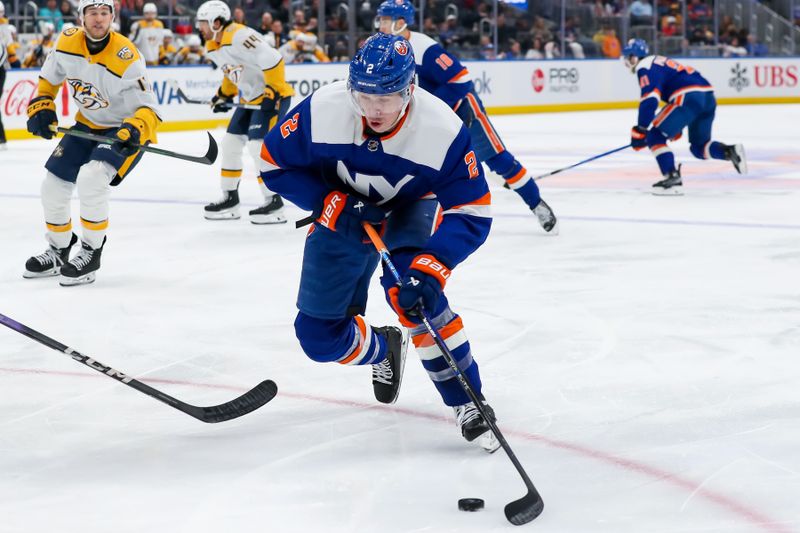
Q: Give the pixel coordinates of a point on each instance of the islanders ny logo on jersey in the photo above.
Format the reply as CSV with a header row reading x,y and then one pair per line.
x,y
233,72
87,95
401,47
370,184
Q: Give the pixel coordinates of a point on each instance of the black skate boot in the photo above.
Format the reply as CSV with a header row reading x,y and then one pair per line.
x,y
474,427
50,262
387,375
671,185
735,154
81,269
546,217
224,209
269,213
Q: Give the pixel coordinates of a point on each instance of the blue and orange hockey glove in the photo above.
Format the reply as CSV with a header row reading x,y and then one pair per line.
x,y
422,284
344,214
638,137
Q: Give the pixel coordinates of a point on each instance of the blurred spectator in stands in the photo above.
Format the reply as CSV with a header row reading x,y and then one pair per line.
x,y
754,48
450,32
13,48
299,23
733,49
797,14
428,27
701,35
39,48
303,48
340,52
698,10
239,16
366,15
669,26
67,12
536,51
505,31
514,51
608,43
50,13
276,37
486,48
266,23
312,25
641,12
602,9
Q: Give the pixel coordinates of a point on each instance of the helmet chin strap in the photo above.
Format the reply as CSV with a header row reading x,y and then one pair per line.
x,y
396,30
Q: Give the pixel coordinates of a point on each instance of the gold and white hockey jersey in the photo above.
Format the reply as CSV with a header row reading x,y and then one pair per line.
x,y
108,87
148,36
249,65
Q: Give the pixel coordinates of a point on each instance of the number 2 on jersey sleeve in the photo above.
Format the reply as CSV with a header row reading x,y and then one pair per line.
x,y
472,164
290,125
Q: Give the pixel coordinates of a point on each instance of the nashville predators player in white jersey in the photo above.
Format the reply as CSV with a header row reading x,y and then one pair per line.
x,y
105,76
255,71
148,34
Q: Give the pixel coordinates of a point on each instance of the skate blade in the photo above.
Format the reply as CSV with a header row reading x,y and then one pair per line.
x,y
742,168
488,442
81,280
222,215
672,191
554,230
268,219
46,274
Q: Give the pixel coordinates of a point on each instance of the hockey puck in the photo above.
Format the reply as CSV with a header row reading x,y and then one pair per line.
x,y
470,504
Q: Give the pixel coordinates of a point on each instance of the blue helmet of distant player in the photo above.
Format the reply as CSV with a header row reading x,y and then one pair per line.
x,y
390,11
382,74
633,52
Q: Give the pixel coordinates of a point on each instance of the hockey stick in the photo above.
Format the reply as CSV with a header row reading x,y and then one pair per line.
x,y
246,403
582,162
182,95
207,159
519,511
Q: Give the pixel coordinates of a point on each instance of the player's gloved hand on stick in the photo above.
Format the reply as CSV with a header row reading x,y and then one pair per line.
x,y
344,214
422,284
129,137
42,116
638,137
270,102
221,103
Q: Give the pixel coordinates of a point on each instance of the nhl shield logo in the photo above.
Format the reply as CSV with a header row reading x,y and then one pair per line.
x,y
87,94
401,47
372,145
125,53
59,151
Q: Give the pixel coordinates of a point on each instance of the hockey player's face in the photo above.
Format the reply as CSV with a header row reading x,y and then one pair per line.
x,y
381,111
388,26
97,21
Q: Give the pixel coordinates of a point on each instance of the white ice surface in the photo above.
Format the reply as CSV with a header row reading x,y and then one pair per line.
x,y
643,364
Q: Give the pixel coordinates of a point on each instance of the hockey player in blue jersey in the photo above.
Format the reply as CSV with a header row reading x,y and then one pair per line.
x,y
377,149
690,102
441,74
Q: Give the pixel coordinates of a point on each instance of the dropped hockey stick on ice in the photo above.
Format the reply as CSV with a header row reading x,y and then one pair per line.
x,y
246,403
519,511
207,159
182,95
598,156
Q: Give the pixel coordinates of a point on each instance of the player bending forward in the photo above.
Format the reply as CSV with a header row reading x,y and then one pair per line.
x,y
441,74
690,103
106,77
256,71
376,149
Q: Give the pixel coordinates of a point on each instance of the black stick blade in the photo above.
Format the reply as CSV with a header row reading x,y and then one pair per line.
x,y
526,509
246,403
211,155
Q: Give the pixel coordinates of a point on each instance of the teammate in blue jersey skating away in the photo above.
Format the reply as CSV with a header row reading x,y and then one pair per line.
x,y
377,149
690,103
441,74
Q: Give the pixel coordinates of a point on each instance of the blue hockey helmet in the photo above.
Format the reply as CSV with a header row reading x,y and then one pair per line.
x,y
637,48
397,9
384,65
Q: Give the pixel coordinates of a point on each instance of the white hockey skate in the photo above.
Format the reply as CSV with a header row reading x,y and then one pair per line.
x,y
82,269
671,185
735,154
474,428
269,213
225,209
547,219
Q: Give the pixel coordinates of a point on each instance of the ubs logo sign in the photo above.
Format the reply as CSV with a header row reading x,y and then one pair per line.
x,y
739,79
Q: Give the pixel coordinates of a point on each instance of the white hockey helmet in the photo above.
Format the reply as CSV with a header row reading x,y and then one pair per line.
x,y
2,9
193,40
211,11
47,28
84,4
150,7
168,33
308,41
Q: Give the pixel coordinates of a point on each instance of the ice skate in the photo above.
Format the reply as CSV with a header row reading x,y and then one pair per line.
x,y
546,217
387,375
224,209
82,269
269,213
49,262
474,427
735,154
671,185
